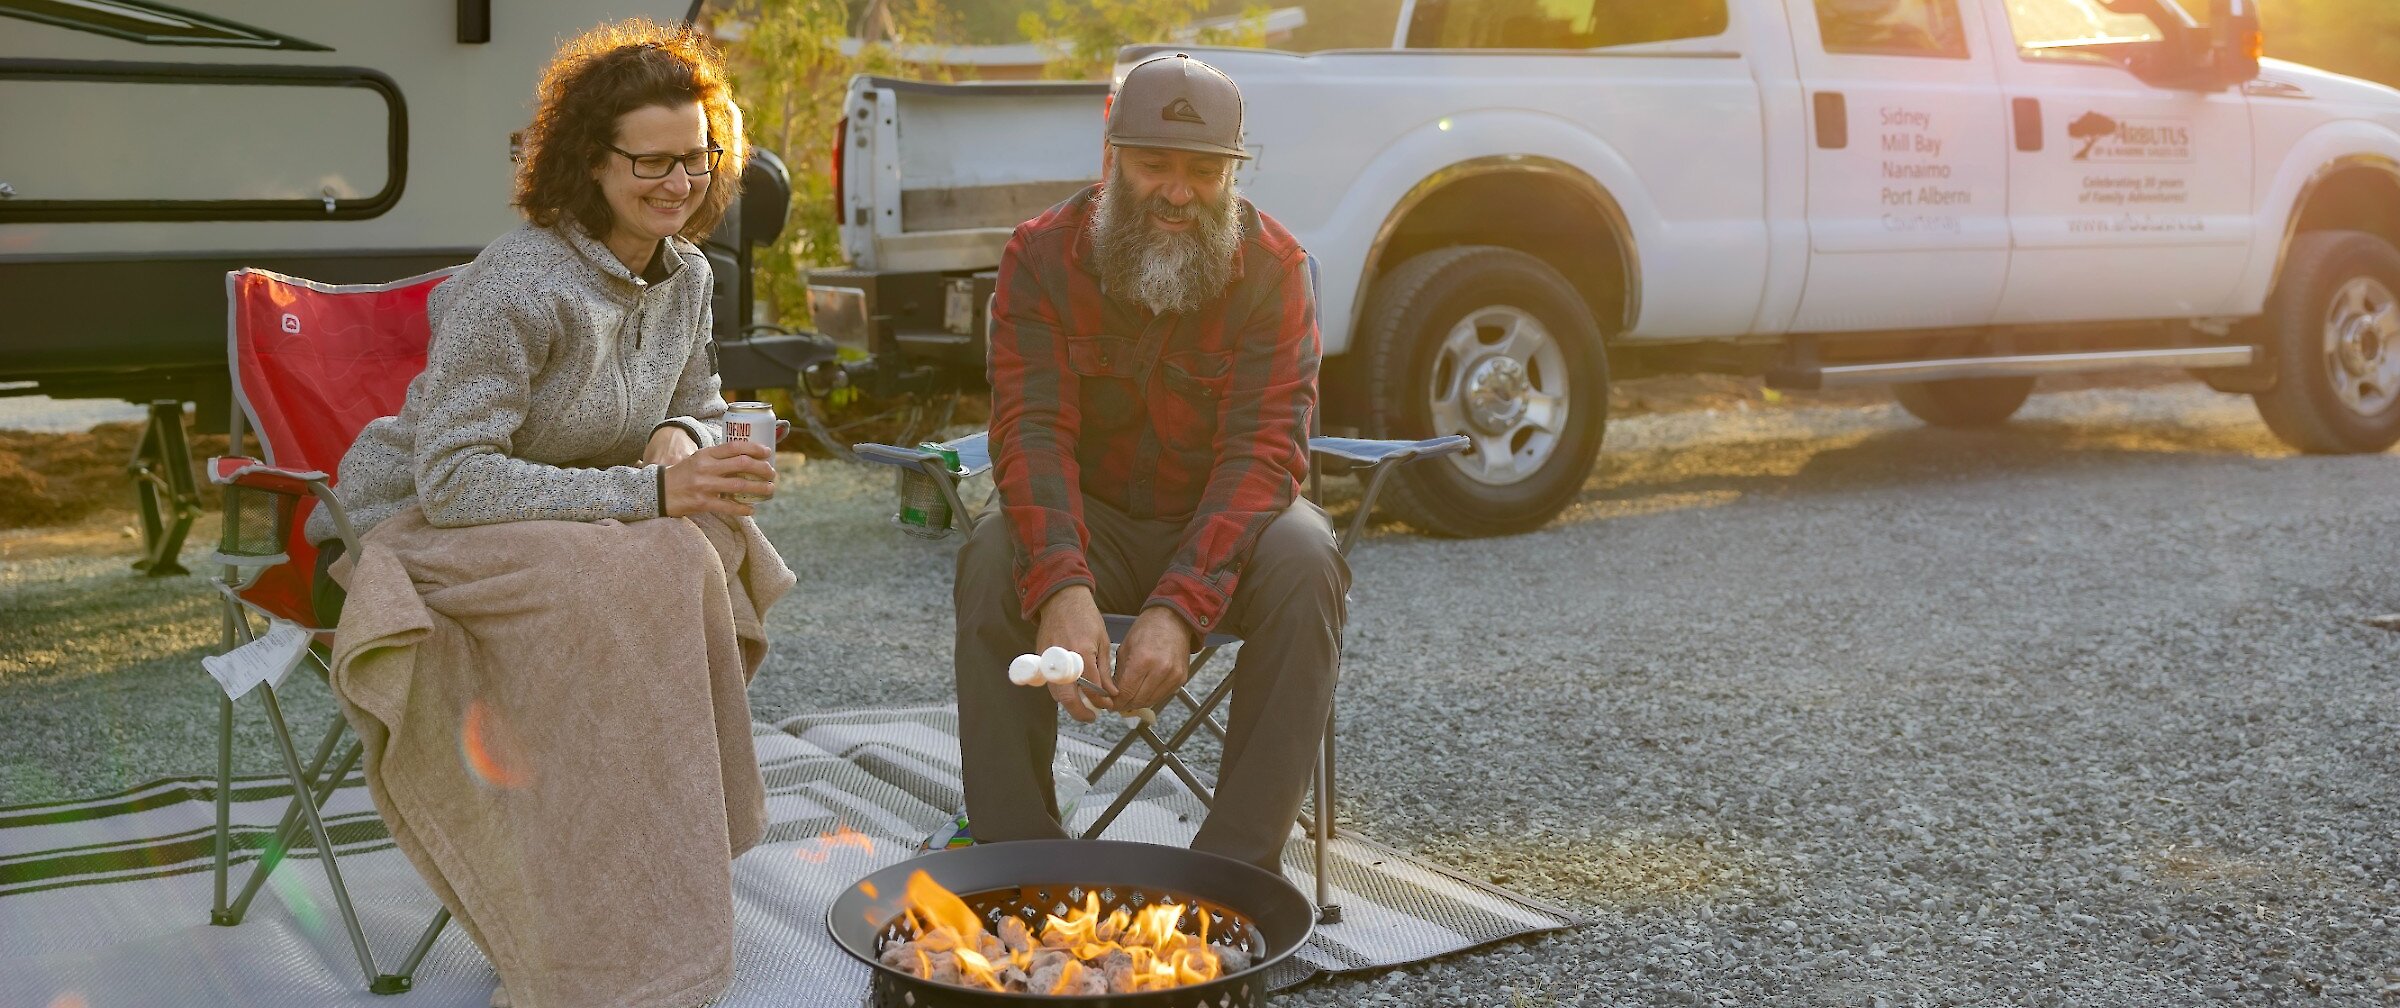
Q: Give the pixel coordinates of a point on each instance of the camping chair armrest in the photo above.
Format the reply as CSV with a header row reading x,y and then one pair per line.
x,y
251,474
974,460
234,470
974,454
1374,461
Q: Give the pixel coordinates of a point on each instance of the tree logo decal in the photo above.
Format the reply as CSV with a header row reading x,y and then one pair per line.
x,y
2091,129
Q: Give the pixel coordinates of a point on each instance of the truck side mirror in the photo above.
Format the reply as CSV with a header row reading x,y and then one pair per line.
x,y
766,197
2221,54
755,218
2236,41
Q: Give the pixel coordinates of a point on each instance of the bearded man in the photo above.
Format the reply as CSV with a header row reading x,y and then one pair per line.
x,y
1153,371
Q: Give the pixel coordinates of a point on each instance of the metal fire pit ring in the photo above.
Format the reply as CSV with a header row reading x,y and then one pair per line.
x,y
1252,909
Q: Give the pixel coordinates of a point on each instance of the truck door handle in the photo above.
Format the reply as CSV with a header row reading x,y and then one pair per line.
x,y
1833,120
2029,124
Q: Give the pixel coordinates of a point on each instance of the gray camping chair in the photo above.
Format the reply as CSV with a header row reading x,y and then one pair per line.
x,y
930,490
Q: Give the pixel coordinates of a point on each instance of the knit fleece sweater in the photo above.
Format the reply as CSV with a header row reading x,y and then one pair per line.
x,y
551,365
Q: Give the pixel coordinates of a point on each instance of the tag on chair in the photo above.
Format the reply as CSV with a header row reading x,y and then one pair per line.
x,y
268,659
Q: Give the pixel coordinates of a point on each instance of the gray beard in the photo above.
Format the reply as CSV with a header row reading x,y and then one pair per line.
x,y
1164,271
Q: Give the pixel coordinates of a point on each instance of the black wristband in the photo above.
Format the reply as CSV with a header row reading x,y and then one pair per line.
x,y
662,491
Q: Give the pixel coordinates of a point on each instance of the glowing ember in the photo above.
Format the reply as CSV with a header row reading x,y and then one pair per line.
x,y
1082,953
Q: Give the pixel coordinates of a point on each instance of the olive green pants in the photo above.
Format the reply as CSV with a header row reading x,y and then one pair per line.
x,y
1288,608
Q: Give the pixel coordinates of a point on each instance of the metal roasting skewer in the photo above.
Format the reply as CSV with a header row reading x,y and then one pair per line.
x,y
1148,715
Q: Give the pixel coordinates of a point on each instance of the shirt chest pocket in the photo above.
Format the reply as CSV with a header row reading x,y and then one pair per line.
x,y
1197,382
1199,376
1104,375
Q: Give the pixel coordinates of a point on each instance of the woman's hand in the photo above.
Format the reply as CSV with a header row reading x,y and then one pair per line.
x,y
698,484
668,445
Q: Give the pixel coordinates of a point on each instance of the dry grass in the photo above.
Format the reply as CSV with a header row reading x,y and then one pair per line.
x,y
57,479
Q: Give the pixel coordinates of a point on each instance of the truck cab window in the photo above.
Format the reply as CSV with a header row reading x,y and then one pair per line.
x,y
2079,29
1892,27
1560,24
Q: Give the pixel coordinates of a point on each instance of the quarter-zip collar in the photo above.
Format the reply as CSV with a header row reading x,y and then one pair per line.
x,y
669,258
670,254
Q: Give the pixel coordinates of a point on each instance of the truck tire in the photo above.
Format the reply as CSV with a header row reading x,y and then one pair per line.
x,y
1964,402
2333,329
1492,343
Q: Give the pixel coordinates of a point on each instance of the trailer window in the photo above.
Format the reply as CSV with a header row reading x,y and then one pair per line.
x,y
1892,27
1560,24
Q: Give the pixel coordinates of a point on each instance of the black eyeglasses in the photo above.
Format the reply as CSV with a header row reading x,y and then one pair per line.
x,y
649,166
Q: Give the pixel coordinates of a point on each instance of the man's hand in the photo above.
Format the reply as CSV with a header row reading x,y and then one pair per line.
x,y
668,445
1155,659
698,484
1070,619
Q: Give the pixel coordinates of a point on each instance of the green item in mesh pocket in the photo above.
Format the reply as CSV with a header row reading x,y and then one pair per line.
x,y
255,524
922,504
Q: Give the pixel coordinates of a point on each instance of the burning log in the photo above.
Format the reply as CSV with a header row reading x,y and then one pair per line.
x,y
1082,953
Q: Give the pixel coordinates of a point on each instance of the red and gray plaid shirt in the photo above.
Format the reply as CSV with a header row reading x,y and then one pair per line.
x,y
1201,416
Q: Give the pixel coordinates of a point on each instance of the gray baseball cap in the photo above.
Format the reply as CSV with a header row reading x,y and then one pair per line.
x,y
1179,103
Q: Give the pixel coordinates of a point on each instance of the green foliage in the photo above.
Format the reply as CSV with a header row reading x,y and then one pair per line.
x,y
1344,24
1083,37
790,74
2356,37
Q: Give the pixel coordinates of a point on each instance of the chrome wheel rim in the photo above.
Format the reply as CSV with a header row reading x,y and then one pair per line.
x,y
2362,346
1500,378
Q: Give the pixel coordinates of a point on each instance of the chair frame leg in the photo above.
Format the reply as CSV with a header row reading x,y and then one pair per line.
x,y
1328,912
308,792
222,914
316,828
288,832
217,914
1165,759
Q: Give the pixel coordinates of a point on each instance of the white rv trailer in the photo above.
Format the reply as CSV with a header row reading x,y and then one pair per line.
x,y
146,149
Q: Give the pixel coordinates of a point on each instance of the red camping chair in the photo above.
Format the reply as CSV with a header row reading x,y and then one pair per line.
x,y
312,364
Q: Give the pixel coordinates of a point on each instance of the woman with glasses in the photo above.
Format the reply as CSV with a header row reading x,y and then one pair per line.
x,y
570,781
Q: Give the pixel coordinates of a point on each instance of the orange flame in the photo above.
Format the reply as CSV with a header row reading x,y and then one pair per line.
x,y
1157,953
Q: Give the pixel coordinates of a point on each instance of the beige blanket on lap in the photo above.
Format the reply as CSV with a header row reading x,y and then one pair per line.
x,y
557,733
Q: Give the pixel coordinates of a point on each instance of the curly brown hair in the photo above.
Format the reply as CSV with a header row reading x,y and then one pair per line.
x,y
600,75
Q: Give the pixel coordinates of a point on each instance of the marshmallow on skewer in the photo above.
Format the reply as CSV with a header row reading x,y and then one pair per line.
x,y
1060,665
1026,670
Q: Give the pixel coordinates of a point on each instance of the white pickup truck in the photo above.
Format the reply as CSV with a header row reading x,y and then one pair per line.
x,y
1523,198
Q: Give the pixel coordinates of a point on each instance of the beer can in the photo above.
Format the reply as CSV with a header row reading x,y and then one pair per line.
x,y
924,510
753,422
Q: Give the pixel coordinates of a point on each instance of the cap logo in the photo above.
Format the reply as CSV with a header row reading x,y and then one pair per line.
x,y
1181,110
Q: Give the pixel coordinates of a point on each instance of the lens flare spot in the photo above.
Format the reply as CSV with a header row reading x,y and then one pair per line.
x,y
70,999
492,749
818,850
294,894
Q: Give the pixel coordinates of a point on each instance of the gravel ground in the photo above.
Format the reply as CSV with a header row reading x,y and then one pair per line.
x,y
1801,707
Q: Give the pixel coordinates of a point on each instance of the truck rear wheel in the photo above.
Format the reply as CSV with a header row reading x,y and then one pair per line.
x,y
2334,327
1494,344
1964,402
